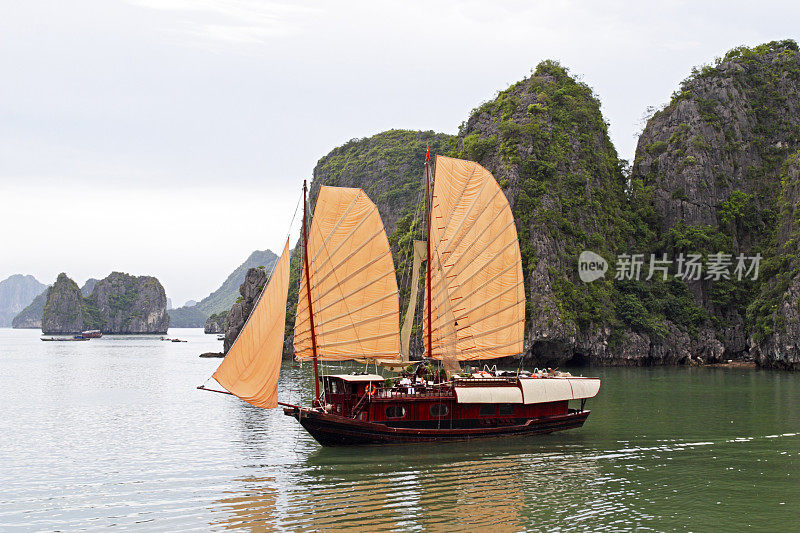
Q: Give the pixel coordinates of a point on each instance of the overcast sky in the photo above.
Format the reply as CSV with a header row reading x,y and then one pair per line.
x,y
171,137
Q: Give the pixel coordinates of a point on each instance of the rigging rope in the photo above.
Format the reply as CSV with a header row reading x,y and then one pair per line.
x,y
263,289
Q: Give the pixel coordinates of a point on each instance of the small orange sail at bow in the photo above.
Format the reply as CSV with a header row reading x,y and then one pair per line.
x,y
354,294
251,368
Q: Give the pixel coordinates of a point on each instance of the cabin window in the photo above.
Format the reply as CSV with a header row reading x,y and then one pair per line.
x,y
395,411
506,409
439,409
487,410
334,387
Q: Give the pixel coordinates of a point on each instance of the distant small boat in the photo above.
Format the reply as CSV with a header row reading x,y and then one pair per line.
x,y
220,337
167,339
92,334
65,339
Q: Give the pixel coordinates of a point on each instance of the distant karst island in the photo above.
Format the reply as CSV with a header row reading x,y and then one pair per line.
x,y
117,304
71,310
16,293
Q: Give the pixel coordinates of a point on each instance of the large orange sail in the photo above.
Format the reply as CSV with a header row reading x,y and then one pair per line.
x,y
354,293
477,292
251,368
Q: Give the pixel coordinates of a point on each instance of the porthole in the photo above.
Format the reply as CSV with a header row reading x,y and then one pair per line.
x,y
395,411
439,409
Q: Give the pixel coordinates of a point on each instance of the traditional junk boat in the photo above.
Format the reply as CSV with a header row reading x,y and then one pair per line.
x,y
348,309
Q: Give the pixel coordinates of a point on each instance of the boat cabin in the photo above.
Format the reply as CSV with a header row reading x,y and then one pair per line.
x,y
343,391
350,383
478,402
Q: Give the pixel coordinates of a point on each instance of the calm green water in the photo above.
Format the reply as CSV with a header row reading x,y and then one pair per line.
x,y
112,432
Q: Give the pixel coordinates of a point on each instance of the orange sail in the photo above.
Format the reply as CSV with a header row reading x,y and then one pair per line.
x,y
251,368
354,293
477,292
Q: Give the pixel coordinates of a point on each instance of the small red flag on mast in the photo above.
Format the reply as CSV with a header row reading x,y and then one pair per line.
x,y
427,151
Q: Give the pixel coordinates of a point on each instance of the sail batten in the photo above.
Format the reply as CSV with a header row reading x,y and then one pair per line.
x,y
353,286
478,296
453,288
457,230
349,276
315,280
349,311
497,234
250,369
336,226
367,320
377,336
467,312
360,288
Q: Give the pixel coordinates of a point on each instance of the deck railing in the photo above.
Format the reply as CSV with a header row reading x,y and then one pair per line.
x,y
414,391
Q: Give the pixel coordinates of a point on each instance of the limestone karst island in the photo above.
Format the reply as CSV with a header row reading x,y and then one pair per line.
x,y
400,267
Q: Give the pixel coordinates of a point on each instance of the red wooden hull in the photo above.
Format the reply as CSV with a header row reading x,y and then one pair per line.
x,y
334,430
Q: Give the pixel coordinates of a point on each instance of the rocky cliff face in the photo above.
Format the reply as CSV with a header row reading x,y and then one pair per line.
x,y
254,282
727,130
130,304
31,316
216,323
88,287
546,142
119,304
65,310
774,316
16,293
709,166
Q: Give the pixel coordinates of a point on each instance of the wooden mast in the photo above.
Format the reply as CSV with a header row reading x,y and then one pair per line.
x,y
308,293
428,201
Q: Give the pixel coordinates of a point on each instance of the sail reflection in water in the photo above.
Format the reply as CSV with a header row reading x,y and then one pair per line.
x,y
455,489
254,509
